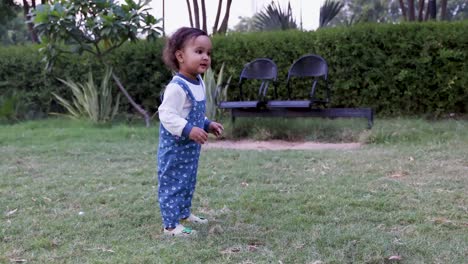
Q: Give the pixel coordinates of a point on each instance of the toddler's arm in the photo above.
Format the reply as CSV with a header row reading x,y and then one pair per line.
x,y
171,110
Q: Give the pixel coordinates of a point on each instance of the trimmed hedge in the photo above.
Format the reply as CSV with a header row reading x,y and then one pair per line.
x,y
404,69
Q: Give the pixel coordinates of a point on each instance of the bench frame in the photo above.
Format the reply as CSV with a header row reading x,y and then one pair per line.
x,y
367,113
308,66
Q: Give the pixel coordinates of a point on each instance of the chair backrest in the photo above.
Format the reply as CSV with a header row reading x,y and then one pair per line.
x,y
309,66
312,66
259,69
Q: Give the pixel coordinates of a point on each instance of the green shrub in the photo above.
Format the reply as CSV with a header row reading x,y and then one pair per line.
x,y
91,101
405,69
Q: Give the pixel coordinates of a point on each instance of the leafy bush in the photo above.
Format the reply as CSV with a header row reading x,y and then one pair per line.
x,y
216,91
404,69
91,101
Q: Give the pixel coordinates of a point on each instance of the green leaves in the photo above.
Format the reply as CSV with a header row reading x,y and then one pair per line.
x,y
216,91
96,26
328,11
90,100
274,18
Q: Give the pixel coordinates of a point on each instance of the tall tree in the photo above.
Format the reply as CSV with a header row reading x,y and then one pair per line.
x,y
356,11
443,10
8,11
27,16
424,13
246,24
411,11
190,13
224,24
456,10
195,15
204,26
394,11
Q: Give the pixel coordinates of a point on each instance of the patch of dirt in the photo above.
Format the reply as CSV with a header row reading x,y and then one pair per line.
x,y
277,145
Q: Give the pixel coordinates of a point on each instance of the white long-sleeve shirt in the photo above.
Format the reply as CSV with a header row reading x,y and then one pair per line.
x,y
176,105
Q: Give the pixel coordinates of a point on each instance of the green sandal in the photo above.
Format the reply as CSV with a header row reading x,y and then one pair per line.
x,y
195,219
180,231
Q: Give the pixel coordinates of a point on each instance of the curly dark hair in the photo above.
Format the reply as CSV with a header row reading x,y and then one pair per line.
x,y
177,42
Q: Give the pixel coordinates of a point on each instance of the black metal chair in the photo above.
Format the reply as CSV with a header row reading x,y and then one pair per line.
x,y
262,69
308,66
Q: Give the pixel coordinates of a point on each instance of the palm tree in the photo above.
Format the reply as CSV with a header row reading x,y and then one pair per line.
x,y
328,11
274,18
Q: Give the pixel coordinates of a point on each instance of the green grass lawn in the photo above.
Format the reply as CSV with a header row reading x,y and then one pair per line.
x,y
403,194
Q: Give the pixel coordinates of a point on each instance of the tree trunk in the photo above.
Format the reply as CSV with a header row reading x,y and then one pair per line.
x,y
196,13
411,11
403,10
224,24
426,16
218,14
164,18
132,102
190,13
421,10
432,9
32,33
443,10
203,9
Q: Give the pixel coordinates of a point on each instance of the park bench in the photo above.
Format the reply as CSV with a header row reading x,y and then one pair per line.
x,y
309,66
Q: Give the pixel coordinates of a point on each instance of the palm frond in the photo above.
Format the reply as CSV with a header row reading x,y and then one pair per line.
x,y
328,11
89,100
274,18
216,90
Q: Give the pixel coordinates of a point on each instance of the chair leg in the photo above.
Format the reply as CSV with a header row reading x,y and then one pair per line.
x,y
233,118
370,119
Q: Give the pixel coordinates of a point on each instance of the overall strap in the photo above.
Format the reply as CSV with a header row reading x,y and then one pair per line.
x,y
185,87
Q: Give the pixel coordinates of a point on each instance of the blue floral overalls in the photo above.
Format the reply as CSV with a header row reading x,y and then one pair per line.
x,y
178,165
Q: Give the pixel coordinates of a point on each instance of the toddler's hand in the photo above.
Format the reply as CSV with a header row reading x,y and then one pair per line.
x,y
216,128
198,135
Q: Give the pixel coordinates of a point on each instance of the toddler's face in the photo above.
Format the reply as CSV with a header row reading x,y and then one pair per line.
x,y
195,57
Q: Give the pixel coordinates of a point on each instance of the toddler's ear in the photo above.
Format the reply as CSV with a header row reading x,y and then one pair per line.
x,y
179,56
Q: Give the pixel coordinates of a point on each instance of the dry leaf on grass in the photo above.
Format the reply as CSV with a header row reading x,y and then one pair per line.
x,y
18,260
441,220
252,248
215,230
231,250
398,174
103,249
396,257
11,212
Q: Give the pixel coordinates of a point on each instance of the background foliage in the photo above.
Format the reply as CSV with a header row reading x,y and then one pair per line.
x,y
405,69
